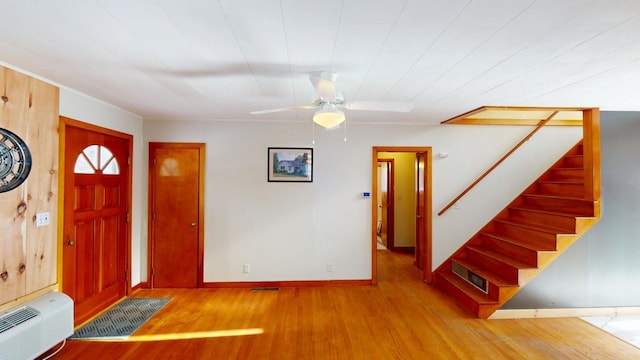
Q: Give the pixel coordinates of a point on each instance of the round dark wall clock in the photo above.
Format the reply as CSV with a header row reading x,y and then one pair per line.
x,y
15,161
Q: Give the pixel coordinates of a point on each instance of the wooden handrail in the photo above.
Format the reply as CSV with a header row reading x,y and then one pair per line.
x,y
503,158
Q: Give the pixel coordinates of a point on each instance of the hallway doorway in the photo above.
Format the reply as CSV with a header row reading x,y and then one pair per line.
x,y
411,217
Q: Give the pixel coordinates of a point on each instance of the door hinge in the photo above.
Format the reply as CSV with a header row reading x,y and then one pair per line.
x,y
128,160
126,276
153,216
127,216
154,161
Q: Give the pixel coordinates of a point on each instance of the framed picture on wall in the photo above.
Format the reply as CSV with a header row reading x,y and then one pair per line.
x,y
290,164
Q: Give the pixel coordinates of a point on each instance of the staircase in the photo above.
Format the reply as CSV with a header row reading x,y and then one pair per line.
x,y
522,239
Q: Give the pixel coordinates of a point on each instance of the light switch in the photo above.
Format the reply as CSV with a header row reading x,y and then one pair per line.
x,y
42,219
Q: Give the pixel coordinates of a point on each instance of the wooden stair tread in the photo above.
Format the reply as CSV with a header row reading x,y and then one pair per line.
x,y
484,273
558,203
501,257
543,211
526,244
568,182
537,227
471,291
567,168
556,197
551,212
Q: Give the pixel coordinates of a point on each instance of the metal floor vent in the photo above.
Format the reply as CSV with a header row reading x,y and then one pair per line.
x,y
469,276
265,289
17,317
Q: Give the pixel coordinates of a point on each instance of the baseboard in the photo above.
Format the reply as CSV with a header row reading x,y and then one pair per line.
x,y
295,283
142,285
560,313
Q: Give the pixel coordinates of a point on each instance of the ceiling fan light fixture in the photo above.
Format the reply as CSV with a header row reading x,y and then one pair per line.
x,y
328,116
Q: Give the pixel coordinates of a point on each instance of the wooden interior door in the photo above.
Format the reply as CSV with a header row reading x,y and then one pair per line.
x,y
95,229
420,211
387,211
384,203
176,214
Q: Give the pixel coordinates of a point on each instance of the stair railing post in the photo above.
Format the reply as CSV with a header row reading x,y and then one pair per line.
x,y
591,151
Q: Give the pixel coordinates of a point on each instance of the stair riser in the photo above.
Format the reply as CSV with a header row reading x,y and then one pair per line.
x,y
528,256
503,270
569,206
574,161
566,224
569,189
546,240
457,293
567,174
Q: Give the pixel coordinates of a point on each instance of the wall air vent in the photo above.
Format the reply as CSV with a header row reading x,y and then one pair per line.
x,y
17,317
265,289
29,330
470,277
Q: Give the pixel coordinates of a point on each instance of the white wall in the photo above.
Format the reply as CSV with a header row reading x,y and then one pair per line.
x,y
328,221
86,109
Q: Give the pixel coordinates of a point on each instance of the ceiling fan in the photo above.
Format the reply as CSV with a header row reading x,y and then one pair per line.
x,y
330,102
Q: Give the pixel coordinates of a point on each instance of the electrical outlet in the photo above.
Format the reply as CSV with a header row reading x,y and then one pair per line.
x,y
42,219
246,268
329,267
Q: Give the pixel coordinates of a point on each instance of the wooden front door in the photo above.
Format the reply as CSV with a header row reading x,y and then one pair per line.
x,y
176,214
95,228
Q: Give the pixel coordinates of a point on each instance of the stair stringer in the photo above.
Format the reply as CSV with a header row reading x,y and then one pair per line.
x,y
513,248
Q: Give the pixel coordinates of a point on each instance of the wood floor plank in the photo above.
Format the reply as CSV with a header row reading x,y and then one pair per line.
x,y
400,318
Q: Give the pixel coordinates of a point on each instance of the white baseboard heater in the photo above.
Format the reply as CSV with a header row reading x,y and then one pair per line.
x,y
34,327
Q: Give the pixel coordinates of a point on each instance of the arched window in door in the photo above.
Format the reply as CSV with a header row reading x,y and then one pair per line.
x,y
96,159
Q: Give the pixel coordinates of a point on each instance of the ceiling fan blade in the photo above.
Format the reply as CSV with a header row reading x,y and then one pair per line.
x,y
268,111
324,84
397,106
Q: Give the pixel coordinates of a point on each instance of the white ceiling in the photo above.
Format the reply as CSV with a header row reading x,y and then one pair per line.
x,y
219,60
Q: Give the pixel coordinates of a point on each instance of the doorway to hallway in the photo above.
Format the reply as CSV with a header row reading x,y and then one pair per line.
x,y
411,206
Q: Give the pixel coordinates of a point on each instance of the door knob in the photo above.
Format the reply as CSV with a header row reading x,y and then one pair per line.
x,y
193,224
69,242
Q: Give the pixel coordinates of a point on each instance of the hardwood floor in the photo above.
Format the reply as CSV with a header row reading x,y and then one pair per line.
x,y
401,318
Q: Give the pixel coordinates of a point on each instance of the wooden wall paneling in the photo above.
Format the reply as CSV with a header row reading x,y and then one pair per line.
x,y
42,185
28,253
13,211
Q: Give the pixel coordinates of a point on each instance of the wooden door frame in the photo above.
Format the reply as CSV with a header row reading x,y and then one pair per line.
x,y
68,122
391,207
427,271
151,235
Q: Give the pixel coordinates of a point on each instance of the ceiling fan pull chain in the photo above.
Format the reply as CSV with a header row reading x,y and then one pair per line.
x,y
345,130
